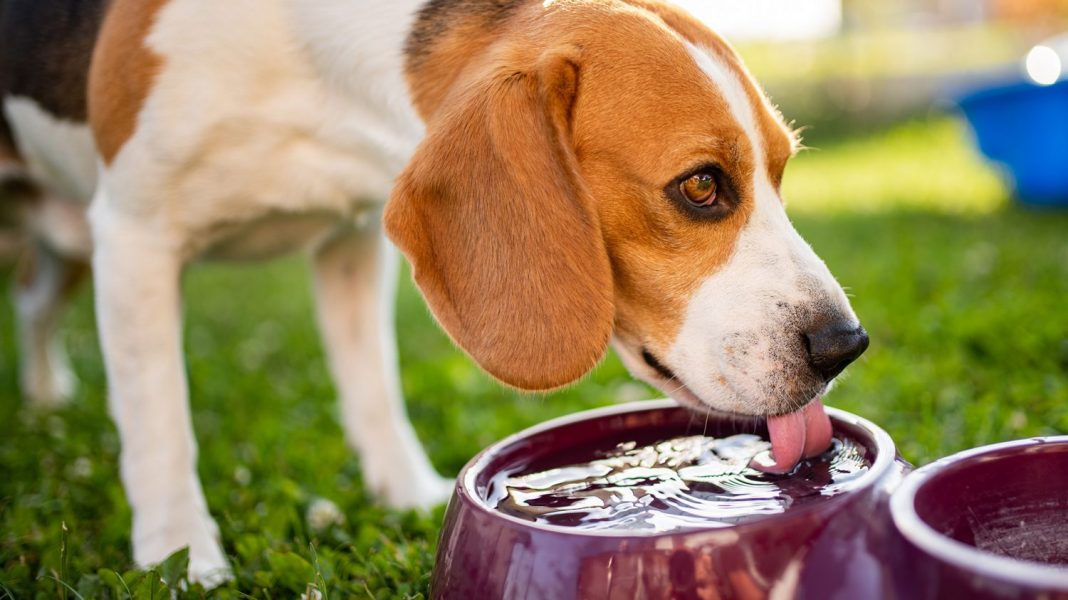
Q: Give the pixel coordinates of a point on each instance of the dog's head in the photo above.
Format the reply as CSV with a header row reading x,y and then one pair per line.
x,y
610,172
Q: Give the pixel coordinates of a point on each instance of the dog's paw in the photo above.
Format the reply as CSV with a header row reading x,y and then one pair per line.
x,y
209,568
420,493
423,497
404,478
207,562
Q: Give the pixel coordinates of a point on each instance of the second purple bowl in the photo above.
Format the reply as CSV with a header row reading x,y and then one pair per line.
x,y
835,547
987,523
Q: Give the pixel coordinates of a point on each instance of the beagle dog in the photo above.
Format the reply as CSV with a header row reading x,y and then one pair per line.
x,y
561,174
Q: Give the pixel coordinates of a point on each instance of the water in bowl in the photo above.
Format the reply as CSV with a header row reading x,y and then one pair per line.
x,y
682,483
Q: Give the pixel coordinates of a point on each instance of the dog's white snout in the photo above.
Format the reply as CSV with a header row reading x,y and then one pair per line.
x,y
769,330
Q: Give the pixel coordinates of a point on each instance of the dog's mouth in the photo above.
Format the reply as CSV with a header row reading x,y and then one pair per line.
x,y
670,384
802,433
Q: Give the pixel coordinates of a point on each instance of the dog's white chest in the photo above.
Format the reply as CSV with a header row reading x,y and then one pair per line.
x,y
258,121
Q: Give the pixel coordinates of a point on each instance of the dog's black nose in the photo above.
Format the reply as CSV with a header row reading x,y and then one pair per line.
x,y
832,347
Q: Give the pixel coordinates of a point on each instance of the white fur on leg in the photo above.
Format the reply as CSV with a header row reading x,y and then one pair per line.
x,y
137,270
355,283
44,369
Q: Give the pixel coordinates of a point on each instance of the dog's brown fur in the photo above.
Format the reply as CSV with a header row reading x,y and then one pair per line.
x,y
121,73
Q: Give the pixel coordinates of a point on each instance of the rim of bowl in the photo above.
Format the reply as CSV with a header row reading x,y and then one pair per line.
x,y
886,453
964,556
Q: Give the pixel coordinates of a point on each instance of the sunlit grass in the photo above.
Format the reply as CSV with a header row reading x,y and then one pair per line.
x,y
963,295
925,165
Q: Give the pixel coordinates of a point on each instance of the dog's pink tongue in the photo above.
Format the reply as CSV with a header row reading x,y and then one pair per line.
x,y
817,429
804,433
787,433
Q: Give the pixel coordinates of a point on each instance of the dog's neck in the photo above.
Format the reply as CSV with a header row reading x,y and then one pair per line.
x,y
357,48
420,46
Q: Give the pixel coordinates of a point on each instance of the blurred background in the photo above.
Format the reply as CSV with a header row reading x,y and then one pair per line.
x,y
962,287
865,62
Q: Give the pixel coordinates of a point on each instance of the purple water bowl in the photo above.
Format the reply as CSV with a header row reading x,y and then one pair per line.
x,y
838,546
987,523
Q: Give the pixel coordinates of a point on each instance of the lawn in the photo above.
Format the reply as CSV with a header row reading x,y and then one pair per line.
x,y
962,292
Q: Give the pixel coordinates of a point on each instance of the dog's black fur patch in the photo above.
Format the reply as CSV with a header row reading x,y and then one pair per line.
x,y
45,50
438,16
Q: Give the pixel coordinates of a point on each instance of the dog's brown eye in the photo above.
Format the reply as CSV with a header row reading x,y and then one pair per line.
x,y
699,189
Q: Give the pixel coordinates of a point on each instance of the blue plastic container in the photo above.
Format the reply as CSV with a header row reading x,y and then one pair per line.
x,y
1025,128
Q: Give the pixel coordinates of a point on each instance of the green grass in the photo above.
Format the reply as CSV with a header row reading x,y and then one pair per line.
x,y
963,294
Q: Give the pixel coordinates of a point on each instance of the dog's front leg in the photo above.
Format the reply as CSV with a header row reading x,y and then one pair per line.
x,y
137,276
355,288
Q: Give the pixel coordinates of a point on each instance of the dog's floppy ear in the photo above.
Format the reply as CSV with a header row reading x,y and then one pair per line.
x,y
501,233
